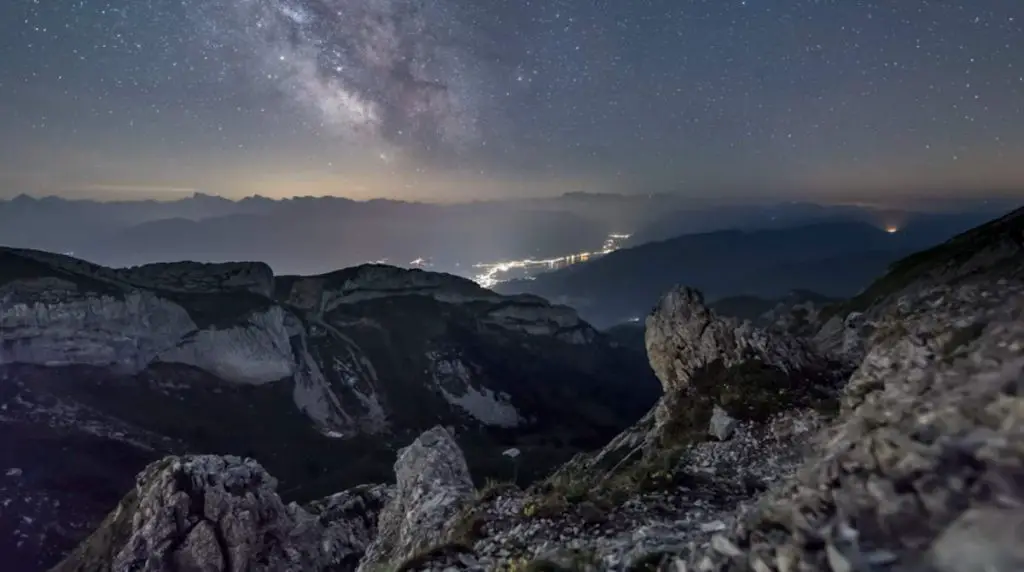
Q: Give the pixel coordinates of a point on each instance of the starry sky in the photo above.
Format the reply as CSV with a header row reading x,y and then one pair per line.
x,y
475,99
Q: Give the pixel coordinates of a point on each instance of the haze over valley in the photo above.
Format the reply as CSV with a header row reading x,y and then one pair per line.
x,y
487,241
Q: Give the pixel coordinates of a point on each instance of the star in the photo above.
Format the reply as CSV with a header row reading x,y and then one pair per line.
x,y
806,98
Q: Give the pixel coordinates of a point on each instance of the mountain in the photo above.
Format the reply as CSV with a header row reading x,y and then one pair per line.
x,y
311,235
766,452
835,259
943,216
316,236
992,252
298,235
319,377
798,312
992,249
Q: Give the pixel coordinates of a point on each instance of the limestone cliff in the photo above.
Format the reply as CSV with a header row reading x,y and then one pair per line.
x,y
317,377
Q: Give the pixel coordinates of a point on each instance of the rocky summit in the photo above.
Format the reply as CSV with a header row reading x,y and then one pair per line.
x,y
104,371
901,449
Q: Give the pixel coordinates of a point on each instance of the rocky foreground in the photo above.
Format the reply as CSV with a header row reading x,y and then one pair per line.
x,y
904,452
104,371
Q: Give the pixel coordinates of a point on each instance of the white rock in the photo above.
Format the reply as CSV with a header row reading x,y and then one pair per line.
x,y
722,425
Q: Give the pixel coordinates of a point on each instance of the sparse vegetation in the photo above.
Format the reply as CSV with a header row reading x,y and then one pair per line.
x,y
749,391
421,559
593,496
493,489
652,562
569,561
960,338
549,505
15,265
468,526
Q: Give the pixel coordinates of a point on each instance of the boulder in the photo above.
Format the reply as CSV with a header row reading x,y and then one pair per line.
x,y
981,539
221,514
844,337
433,484
684,336
721,426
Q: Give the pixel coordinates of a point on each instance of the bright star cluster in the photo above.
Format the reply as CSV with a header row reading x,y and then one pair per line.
x,y
442,99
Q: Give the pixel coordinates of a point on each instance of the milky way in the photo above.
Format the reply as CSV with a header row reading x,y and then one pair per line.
x,y
396,70
481,98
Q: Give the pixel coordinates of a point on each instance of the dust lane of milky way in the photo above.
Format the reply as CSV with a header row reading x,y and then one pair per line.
x,y
407,72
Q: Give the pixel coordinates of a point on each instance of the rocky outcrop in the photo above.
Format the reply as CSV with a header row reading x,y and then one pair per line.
x,y
349,523
722,425
256,350
717,375
433,485
59,311
223,514
844,337
798,313
218,514
706,363
684,336
931,441
126,331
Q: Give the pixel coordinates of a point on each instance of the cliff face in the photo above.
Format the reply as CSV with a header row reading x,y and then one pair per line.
x,y
307,374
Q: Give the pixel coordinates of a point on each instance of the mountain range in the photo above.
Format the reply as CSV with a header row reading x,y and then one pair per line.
x,y
312,235
835,259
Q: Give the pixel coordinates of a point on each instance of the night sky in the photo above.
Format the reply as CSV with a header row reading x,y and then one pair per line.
x,y
456,99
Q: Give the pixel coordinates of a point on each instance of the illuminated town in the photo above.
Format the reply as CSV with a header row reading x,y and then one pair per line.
x,y
497,272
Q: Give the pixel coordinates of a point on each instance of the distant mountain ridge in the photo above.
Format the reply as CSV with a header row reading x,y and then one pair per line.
x,y
835,259
312,235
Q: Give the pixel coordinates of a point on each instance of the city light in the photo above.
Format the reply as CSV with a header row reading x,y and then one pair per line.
x,y
492,272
